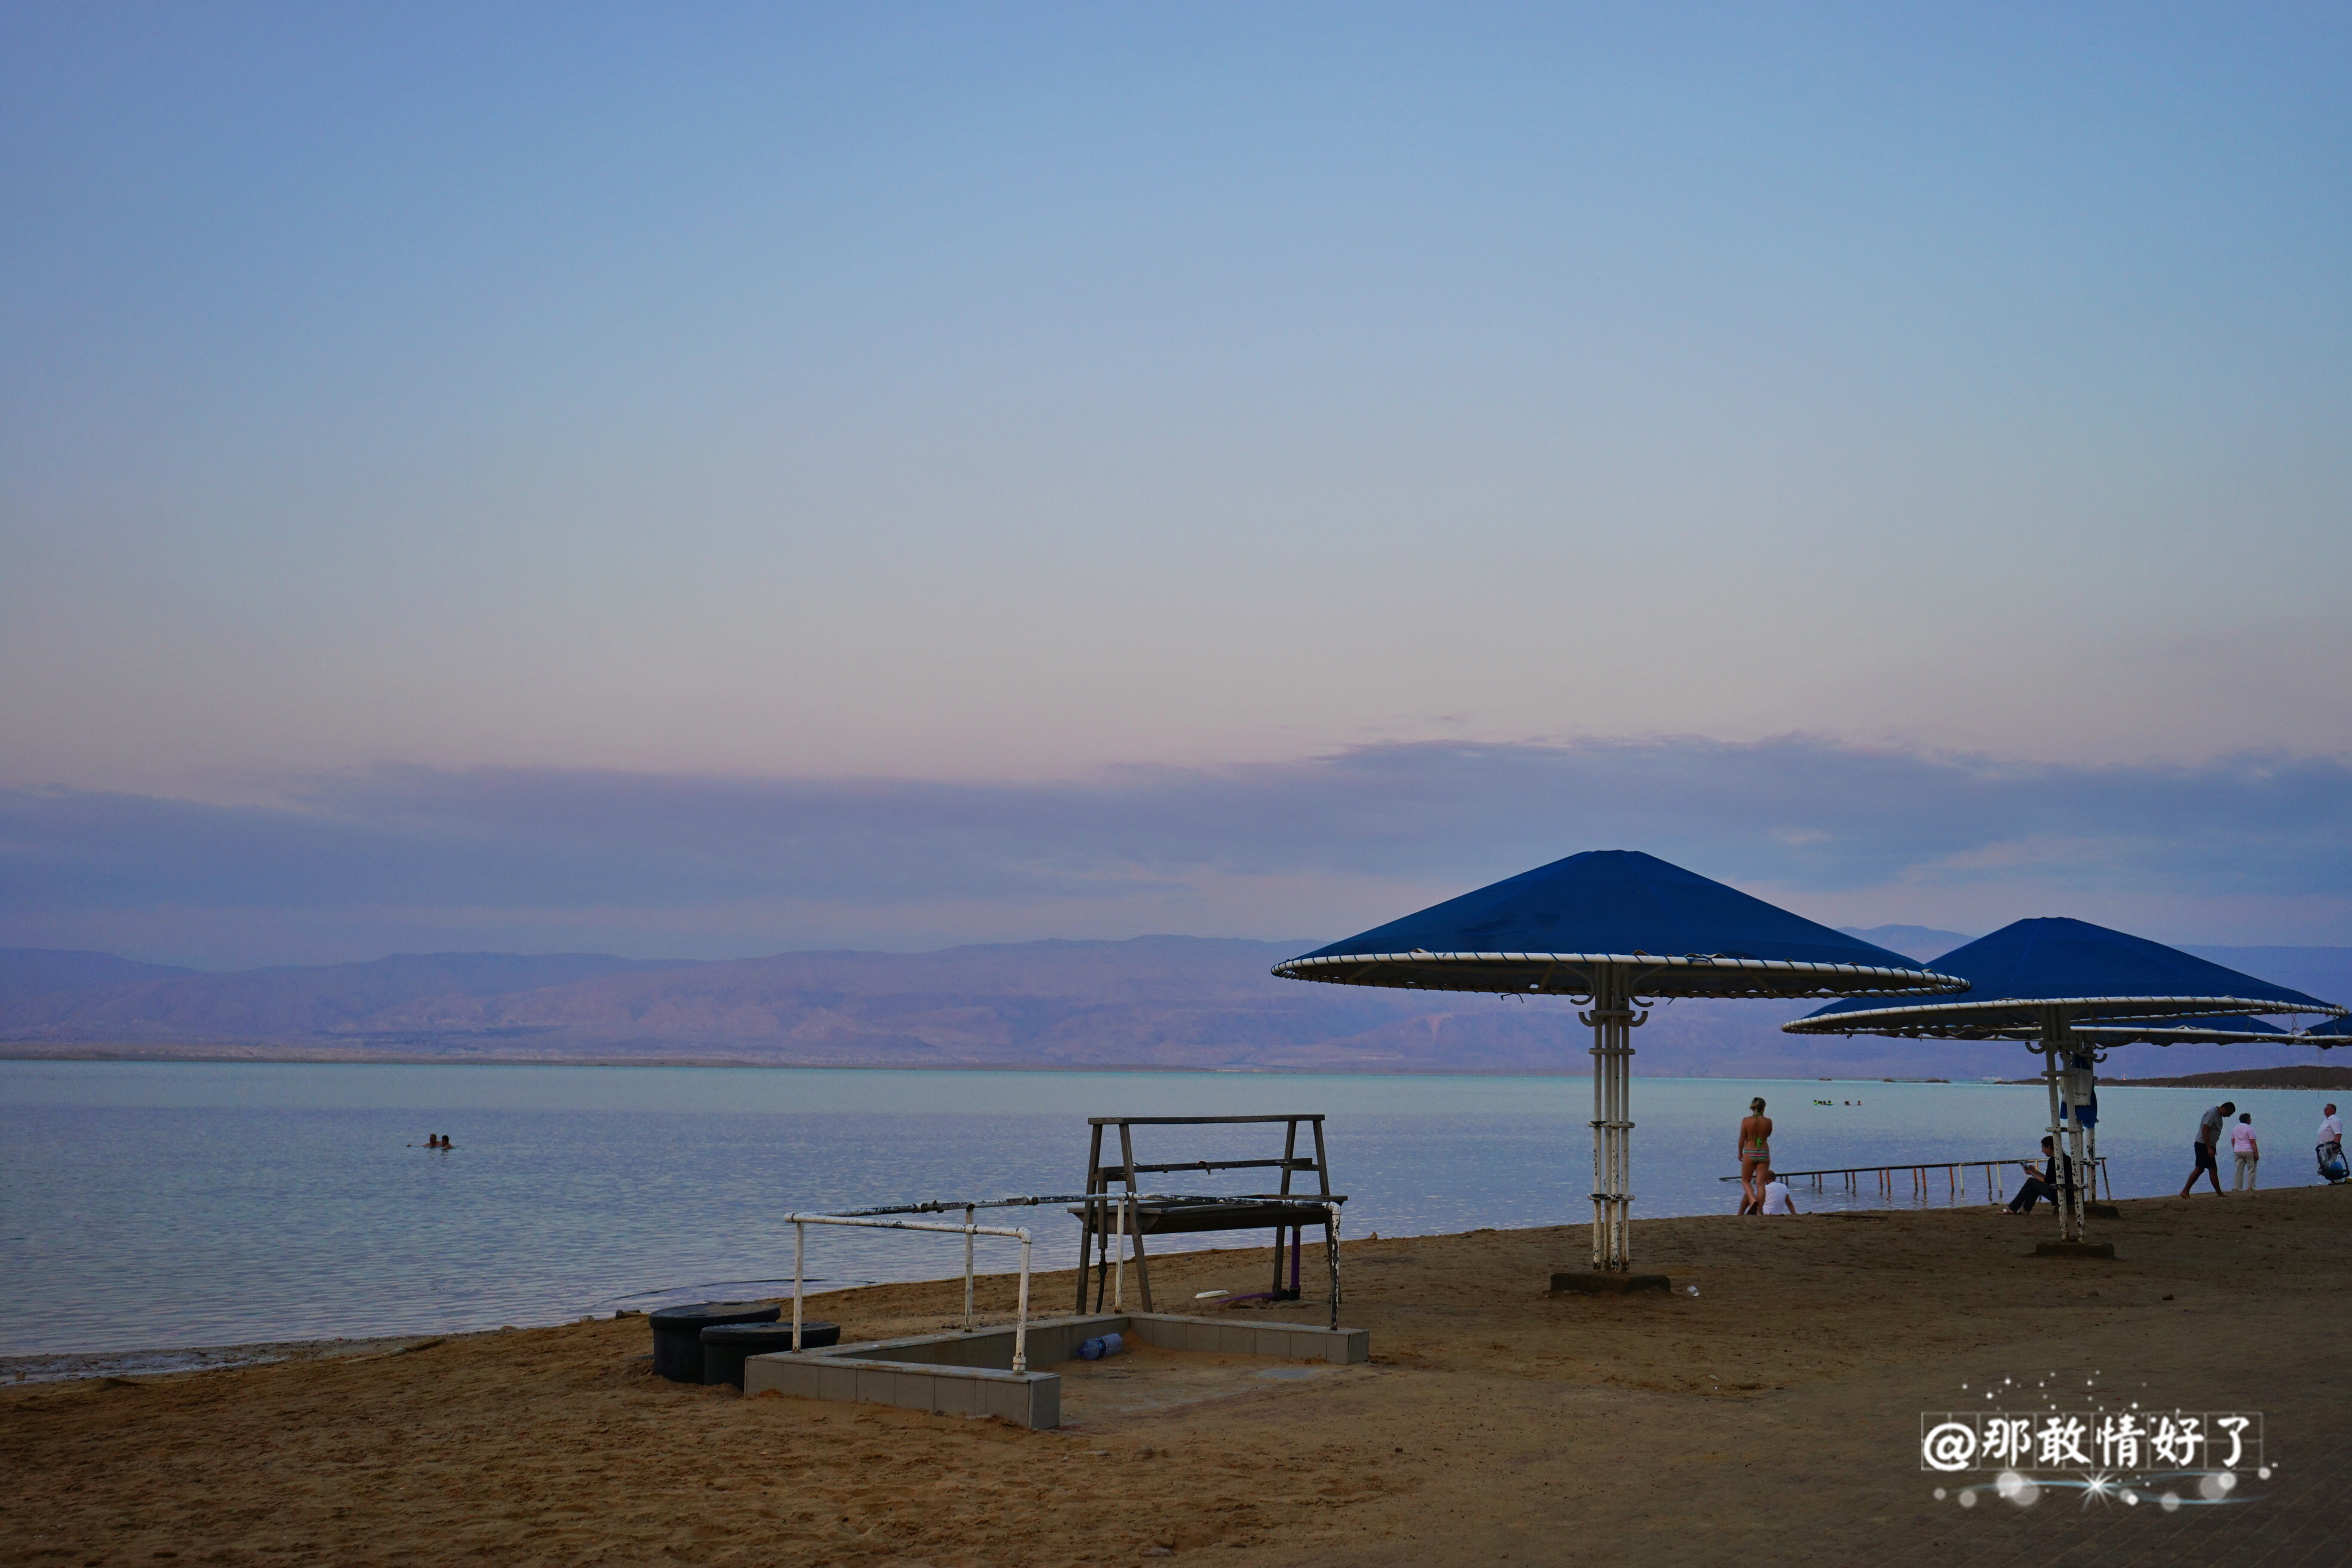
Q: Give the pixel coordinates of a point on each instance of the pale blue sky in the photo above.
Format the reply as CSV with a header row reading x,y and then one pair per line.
x,y
991,395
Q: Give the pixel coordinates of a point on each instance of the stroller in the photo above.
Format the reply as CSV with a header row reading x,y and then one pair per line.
x,y
2331,1161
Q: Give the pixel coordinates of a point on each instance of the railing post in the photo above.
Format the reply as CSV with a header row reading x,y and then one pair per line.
x,y
1333,1210
1119,1258
967,1267
1021,1322
800,1245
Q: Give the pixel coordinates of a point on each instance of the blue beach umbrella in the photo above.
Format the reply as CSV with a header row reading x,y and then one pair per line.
x,y
1614,930
2333,1033
2072,990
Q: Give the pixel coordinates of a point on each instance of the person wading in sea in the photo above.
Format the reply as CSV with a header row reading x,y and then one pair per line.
x,y
1755,1156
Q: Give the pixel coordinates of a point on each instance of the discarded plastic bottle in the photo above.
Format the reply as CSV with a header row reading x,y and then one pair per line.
x,y
1094,1349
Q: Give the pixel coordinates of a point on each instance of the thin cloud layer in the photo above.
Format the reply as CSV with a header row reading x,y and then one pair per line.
x,y
2243,848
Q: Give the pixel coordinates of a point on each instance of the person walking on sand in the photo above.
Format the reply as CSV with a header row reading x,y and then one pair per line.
x,y
2330,1147
2249,1153
2209,1137
1754,1157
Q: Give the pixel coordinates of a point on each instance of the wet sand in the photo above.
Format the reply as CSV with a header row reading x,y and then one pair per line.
x,y
1771,1419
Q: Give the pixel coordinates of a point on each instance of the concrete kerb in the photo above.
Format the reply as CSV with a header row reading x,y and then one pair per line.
x,y
970,1374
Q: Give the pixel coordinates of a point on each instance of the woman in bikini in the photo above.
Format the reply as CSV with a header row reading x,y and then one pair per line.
x,y
1755,1156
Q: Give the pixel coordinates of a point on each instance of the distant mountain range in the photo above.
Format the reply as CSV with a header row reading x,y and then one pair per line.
x,y
1922,942
1153,1002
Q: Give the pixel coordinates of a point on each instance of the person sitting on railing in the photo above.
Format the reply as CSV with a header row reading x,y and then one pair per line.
x,y
2040,1184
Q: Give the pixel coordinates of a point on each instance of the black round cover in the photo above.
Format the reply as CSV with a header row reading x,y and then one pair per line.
x,y
678,1333
725,1345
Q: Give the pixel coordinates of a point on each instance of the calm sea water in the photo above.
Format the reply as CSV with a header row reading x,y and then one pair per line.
x,y
180,1205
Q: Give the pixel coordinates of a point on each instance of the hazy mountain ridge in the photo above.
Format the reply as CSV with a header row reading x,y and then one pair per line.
x,y
35,970
1168,1002
1920,943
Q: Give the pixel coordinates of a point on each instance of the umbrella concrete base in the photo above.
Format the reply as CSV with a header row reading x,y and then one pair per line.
x,y
1600,1284
2074,1249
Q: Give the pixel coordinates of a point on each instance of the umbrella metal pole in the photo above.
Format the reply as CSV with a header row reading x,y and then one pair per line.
x,y
2057,1133
1613,1021
1600,1120
2081,1084
2079,1199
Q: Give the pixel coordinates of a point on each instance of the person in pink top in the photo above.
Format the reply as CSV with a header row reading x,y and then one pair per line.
x,y
2248,1152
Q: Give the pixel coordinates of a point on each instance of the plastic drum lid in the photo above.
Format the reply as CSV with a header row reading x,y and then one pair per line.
x,y
678,1333
771,1335
702,1314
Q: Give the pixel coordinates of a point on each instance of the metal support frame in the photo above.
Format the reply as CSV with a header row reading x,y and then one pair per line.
x,y
1109,1218
800,1222
2074,1144
2078,1087
1613,1020
2049,1084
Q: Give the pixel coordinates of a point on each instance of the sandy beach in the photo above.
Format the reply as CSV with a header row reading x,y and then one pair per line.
x,y
1772,1417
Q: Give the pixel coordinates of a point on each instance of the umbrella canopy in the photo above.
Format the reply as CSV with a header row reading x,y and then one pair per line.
x,y
1618,928
2335,1032
2025,974
1671,932
2072,989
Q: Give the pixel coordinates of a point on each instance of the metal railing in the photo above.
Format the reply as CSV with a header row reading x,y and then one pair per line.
x,y
1919,1169
800,1222
1125,1204
1124,1201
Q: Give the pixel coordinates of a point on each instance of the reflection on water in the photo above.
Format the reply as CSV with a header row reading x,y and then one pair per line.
x,y
158,1205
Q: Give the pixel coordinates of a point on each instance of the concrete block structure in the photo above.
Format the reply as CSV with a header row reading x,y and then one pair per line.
x,y
972,1375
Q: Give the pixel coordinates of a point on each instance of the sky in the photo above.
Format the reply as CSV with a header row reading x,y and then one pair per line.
x,y
701,481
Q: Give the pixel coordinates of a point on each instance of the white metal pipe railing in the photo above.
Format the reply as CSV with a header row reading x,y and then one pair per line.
x,y
1125,1202
800,1222
2096,1163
